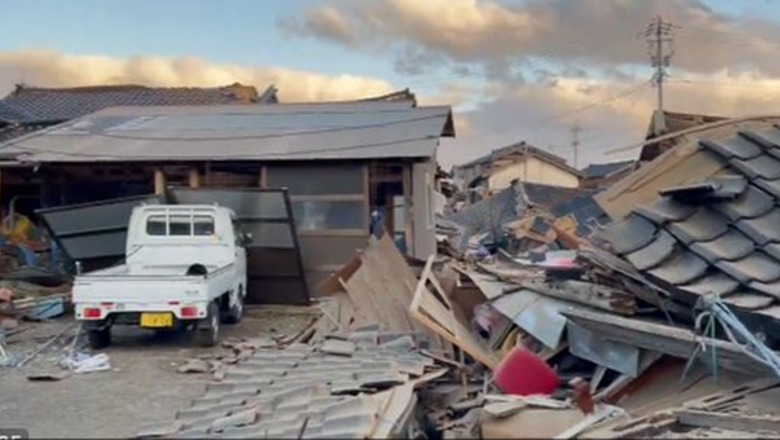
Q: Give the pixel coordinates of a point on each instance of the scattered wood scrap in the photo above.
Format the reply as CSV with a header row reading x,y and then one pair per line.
x,y
435,311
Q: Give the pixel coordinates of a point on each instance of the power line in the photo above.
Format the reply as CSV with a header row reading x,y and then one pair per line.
x,y
624,93
658,35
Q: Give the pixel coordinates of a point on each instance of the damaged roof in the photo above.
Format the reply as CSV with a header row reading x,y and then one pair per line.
x,y
38,104
601,170
349,130
510,204
665,122
720,235
519,150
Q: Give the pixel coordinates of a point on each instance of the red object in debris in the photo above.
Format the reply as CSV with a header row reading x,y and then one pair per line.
x,y
582,396
523,373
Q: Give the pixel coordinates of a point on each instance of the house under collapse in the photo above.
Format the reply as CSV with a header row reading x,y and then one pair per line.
x,y
342,164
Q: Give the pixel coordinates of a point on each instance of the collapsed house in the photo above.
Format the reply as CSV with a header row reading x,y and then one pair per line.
x,y
366,163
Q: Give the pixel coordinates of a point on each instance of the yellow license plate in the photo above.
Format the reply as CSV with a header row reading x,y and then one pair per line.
x,y
156,320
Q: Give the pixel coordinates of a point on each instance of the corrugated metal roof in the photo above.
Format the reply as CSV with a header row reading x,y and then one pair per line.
x,y
354,130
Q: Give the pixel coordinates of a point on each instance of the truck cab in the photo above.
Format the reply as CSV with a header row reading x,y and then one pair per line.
x,y
185,266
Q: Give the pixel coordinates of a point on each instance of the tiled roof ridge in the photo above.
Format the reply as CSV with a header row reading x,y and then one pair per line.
x,y
23,88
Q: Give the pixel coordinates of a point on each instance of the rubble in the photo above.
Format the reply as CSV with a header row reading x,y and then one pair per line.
x,y
537,319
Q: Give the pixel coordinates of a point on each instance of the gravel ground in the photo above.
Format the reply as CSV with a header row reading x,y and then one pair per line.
x,y
142,387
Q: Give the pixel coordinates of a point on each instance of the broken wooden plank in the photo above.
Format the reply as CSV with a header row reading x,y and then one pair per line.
x,y
602,413
434,311
580,292
737,422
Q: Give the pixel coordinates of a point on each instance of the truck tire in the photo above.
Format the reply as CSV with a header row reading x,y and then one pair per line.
x,y
208,334
236,312
100,338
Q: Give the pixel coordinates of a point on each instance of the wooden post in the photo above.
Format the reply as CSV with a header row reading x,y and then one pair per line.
x,y
194,178
263,182
159,182
408,211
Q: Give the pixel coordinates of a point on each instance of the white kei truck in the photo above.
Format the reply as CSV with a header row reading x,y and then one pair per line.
x,y
185,267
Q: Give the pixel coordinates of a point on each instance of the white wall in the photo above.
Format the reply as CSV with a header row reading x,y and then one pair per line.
x,y
423,207
538,171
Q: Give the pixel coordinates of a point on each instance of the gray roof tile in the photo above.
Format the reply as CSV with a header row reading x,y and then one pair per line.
x,y
762,166
751,203
682,268
771,289
755,267
716,188
763,229
770,186
704,225
732,245
665,210
772,249
748,300
653,254
768,140
631,234
736,147
716,283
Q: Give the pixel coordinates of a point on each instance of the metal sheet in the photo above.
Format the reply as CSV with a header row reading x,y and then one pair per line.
x,y
615,355
242,132
93,231
274,265
536,314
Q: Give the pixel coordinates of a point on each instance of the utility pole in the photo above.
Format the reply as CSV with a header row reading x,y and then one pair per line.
x,y
658,35
575,143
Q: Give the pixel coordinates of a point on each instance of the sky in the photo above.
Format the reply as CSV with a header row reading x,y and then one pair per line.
x,y
523,70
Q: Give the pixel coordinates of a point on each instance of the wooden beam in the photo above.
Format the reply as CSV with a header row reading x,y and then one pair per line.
x,y
159,182
194,178
600,297
673,341
735,422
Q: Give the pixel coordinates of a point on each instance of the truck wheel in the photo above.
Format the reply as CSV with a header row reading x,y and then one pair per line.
x,y
236,312
99,338
208,332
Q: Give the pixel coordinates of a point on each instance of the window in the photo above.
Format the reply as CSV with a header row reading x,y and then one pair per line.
x,y
180,225
317,215
156,225
328,197
203,225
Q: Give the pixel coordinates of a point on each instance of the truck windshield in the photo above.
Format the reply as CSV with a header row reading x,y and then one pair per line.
x,y
180,225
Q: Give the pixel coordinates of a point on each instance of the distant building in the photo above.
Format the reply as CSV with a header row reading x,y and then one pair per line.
x,y
518,162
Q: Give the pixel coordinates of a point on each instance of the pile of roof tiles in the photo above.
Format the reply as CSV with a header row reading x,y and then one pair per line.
x,y
321,390
720,236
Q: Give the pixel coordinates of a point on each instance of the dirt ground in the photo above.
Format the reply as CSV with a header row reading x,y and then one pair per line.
x,y
141,388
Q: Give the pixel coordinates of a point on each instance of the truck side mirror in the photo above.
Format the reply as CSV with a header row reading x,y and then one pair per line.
x,y
246,238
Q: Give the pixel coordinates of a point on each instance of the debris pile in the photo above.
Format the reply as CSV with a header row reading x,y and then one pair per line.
x,y
540,319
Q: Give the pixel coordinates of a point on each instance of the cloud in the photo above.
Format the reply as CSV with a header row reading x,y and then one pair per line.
x,y
325,21
542,114
49,68
595,32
